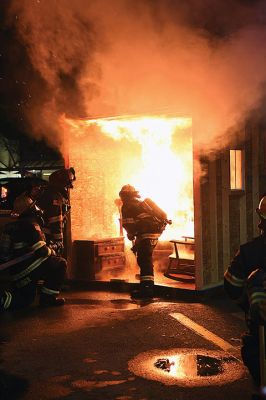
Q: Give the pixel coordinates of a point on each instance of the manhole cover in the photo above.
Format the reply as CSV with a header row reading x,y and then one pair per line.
x,y
193,367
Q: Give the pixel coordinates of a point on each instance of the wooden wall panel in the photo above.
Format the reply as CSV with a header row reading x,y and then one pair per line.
x,y
228,218
213,222
209,225
255,175
262,160
248,184
225,165
198,226
220,215
234,218
242,219
206,248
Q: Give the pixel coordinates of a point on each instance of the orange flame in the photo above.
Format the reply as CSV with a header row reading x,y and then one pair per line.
x,y
153,153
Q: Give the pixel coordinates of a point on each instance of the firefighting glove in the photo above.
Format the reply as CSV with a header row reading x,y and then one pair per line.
x,y
57,247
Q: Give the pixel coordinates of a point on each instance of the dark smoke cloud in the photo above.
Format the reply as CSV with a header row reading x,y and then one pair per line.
x,y
201,58
214,19
44,49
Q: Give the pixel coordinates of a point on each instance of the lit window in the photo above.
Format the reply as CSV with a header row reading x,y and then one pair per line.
x,y
236,170
3,192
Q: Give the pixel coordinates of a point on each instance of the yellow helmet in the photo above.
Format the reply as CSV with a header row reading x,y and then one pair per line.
x,y
261,210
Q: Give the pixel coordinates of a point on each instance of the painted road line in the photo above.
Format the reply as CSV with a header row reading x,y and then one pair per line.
x,y
226,346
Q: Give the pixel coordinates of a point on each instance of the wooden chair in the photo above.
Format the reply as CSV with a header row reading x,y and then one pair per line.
x,y
180,265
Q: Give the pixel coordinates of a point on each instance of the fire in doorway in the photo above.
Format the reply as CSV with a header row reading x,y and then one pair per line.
x,y
153,153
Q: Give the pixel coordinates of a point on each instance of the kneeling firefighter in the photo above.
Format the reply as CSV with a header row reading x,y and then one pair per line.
x,y
27,258
144,222
245,282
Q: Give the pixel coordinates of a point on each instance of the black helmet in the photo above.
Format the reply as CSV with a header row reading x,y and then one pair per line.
x,y
24,206
261,210
128,191
63,177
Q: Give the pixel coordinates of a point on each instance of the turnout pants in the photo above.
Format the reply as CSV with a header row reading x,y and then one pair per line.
x,y
52,271
144,248
251,355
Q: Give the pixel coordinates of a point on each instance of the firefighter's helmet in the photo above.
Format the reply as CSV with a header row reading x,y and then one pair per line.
x,y
128,191
63,178
261,210
24,205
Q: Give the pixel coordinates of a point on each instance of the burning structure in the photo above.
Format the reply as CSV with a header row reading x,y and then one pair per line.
x,y
211,202
145,151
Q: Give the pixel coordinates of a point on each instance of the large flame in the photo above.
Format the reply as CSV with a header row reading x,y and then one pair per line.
x,y
152,153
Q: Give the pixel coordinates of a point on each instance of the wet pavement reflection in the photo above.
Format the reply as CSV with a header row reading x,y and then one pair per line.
x,y
190,365
196,367
118,304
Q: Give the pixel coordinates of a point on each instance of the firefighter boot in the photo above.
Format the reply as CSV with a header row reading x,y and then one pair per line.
x,y
145,292
47,300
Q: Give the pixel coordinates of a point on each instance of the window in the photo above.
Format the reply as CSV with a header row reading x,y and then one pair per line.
x,y
236,170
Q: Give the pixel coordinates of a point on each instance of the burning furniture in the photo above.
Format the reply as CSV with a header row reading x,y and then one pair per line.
x,y
96,258
181,267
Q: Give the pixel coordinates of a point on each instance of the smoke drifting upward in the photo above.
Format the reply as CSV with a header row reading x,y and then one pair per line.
x,y
205,59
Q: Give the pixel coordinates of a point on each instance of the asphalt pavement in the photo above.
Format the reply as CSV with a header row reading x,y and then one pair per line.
x,y
103,346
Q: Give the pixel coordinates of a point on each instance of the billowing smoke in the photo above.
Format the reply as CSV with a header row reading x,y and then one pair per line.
x,y
199,58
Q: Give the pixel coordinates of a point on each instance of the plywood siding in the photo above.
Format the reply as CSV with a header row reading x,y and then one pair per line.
x,y
213,221
234,218
225,165
262,161
255,173
206,226
220,219
209,224
228,217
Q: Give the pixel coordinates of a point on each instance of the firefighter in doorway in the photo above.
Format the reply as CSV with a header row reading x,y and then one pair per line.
x,y
144,222
245,282
27,258
56,205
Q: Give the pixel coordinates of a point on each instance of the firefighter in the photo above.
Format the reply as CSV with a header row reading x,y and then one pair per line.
x,y
144,222
245,282
35,189
55,204
27,258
